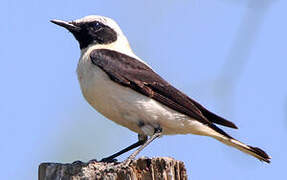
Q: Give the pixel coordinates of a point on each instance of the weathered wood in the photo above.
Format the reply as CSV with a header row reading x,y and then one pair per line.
x,y
162,168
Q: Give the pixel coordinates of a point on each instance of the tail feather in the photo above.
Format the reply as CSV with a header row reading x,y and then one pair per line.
x,y
253,151
213,117
213,131
263,155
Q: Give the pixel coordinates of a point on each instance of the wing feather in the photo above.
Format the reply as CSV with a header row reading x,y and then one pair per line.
x,y
134,74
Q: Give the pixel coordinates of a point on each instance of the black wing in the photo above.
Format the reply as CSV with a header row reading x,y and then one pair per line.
x,y
134,74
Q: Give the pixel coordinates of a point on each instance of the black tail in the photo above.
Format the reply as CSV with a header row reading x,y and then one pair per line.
x,y
253,151
213,117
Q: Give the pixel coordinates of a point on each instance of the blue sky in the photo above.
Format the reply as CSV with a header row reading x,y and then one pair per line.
x,y
228,55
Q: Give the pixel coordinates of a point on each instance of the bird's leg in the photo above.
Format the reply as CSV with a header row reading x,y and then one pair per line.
x,y
157,133
141,140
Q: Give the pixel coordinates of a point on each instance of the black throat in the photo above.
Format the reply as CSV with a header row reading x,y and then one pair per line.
x,y
94,33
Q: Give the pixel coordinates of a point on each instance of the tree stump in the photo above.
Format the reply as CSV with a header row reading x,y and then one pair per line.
x,y
162,168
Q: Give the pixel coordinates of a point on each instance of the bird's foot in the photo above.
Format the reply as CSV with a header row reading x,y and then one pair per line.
x,y
109,160
93,161
124,164
77,162
127,162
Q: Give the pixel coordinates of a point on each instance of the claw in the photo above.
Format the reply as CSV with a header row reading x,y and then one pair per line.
x,y
77,162
108,160
93,161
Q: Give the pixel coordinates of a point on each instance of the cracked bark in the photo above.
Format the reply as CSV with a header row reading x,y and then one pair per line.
x,y
162,168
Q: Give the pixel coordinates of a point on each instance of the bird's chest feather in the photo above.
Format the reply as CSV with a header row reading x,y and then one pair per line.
x,y
96,87
114,101
124,105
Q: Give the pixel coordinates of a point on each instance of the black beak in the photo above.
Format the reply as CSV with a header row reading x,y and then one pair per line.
x,y
71,27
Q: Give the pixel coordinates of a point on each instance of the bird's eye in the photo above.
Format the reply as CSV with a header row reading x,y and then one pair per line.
x,y
96,26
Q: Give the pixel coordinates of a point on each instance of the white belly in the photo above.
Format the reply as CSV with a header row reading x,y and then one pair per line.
x,y
129,108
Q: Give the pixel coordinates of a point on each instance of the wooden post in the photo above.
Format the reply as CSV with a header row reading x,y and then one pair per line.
x,y
162,168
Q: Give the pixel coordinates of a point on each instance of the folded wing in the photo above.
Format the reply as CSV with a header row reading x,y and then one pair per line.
x,y
134,74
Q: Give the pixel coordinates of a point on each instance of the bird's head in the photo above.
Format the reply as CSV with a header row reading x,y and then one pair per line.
x,y
93,29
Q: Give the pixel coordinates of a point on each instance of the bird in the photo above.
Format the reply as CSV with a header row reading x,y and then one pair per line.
x,y
125,89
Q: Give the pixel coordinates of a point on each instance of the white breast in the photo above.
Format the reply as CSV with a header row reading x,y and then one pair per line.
x,y
127,107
